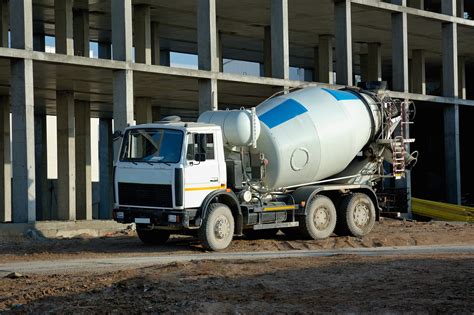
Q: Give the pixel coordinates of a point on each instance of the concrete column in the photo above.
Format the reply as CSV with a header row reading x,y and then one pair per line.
x,y
462,78
279,39
105,168
364,67
325,59
22,106
143,112
66,156
81,33
460,8
83,161
374,64
43,211
418,73
207,53
220,48
105,50
63,27
5,162
267,52
39,42
123,101
142,34
122,29
343,32
122,79
155,43
417,4
4,23
165,57
399,50
451,112
316,64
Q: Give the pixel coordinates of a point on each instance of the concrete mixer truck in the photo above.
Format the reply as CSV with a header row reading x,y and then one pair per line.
x,y
304,162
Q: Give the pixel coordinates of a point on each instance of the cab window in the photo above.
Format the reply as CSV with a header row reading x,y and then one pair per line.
x,y
195,143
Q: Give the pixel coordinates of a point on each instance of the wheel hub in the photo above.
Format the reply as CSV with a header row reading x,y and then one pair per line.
x,y
221,227
361,215
321,218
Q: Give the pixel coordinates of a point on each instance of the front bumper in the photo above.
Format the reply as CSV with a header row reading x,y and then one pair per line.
x,y
157,218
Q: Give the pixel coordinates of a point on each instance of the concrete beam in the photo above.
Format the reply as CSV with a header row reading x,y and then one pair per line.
x,y
63,27
325,59
374,64
143,112
122,29
267,52
83,161
5,161
142,33
66,141
22,106
418,71
106,156
279,39
81,33
4,23
462,93
399,50
155,43
343,31
43,210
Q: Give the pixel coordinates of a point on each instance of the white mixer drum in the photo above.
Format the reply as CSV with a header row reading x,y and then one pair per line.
x,y
311,134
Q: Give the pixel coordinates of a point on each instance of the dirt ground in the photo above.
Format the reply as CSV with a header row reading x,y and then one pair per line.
x,y
343,283
388,232
427,284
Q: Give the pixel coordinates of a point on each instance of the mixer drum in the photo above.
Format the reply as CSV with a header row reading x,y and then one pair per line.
x,y
311,134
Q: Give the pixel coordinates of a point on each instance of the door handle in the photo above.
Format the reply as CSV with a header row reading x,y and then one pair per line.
x,y
214,180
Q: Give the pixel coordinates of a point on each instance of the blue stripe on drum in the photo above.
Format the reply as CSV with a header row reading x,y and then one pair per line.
x,y
283,112
341,95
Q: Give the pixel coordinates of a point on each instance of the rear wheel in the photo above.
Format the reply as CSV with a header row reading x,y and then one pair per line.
x,y
320,219
217,229
356,215
153,237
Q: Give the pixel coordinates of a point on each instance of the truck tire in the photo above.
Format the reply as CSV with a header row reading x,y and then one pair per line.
x,y
153,237
320,219
356,215
217,229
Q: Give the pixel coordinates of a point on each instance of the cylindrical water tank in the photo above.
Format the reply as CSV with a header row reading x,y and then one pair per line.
x,y
236,126
314,133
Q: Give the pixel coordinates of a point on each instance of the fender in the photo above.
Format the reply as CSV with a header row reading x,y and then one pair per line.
x,y
227,198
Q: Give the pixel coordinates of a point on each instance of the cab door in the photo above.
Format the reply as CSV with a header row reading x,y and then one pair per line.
x,y
201,171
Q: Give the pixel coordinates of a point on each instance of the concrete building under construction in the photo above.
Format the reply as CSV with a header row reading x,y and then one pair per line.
x,y
422,48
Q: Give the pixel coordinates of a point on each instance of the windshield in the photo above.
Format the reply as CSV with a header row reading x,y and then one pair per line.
x,y
152,145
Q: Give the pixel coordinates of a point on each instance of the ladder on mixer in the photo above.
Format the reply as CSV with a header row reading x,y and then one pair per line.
x,y
398,156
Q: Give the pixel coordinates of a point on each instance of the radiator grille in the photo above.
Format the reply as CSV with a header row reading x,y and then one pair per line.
x,y
146,195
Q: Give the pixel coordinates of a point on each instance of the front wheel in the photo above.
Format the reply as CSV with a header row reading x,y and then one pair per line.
x,y
356,215
217,229
153,237
320,219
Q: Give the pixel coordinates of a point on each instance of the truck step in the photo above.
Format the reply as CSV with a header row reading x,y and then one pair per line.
x,y
275,225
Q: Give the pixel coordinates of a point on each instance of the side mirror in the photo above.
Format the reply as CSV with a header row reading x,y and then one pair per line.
x,y
117,135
